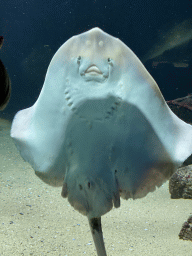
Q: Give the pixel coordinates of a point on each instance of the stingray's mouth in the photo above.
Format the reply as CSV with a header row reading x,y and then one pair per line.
x,y
93,73
93,70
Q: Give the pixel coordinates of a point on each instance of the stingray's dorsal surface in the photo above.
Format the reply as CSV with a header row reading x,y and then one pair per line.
x,y
100,126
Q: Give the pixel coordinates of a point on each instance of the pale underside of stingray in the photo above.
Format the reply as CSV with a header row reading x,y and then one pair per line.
x,y
100,128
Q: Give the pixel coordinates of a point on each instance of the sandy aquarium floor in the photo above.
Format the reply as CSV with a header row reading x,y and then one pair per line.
x,y
36,220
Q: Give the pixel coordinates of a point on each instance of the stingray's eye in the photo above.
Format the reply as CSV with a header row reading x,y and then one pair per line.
x,y
79,59
89,184
80,187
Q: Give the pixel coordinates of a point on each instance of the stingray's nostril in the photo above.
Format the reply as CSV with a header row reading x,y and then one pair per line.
x,y
80,187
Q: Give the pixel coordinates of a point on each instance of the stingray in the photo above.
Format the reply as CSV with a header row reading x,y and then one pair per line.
x,y
100,128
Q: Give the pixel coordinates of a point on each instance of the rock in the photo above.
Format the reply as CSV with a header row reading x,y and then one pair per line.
x,y
186,230
182,107
180,184
5,83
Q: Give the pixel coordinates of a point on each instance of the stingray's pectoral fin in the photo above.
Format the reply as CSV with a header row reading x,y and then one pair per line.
x,y
116,200
64,192
116,196
96,230
153,177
